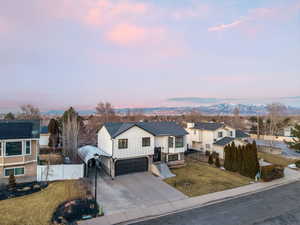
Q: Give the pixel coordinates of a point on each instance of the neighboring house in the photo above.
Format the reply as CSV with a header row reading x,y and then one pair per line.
x,y
133,147
213,137
44,137
287,131
19,148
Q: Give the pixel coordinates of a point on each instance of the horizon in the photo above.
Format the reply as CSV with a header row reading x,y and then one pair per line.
x,y
144,54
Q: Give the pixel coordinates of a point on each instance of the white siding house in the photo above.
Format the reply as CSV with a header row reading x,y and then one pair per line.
x,y
135,146
213,137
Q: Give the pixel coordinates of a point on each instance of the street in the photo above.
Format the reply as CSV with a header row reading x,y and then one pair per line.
x,y
278,206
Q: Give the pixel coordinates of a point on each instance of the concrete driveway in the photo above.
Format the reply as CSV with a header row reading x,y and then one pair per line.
x,y
138,190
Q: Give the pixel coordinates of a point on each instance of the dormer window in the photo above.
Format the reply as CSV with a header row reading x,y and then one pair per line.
x,y
220,134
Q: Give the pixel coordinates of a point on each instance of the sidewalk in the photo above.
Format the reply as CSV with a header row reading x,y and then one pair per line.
x,y
195,202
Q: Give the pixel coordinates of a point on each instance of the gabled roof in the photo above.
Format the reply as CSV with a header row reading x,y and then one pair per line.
x,y
224,141
155,128
208,126
241,134
19,129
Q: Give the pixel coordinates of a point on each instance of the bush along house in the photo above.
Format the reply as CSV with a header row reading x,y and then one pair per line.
x,y
19,148
213,137
133,147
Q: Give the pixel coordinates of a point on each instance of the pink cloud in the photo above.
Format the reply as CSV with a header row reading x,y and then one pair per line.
x,y
126,34
106,12
225,26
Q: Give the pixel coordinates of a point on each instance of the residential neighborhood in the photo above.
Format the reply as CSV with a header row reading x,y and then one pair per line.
x,y
141,112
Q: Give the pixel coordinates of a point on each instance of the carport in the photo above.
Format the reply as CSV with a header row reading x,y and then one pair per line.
x,y
87,155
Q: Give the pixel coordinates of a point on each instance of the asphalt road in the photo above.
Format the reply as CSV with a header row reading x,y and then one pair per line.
x,y
279,206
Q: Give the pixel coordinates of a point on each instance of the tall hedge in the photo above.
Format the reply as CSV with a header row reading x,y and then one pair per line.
x,y
242,159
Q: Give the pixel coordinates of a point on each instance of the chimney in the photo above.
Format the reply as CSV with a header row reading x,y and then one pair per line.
x,y
190,125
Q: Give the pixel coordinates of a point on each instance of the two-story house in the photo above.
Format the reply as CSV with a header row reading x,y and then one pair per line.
x,y
133,147
19,148
213,137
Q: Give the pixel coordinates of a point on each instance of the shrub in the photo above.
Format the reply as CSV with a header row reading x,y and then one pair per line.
x,y
11,183
207,153
271,172
217,162
210,160
297,163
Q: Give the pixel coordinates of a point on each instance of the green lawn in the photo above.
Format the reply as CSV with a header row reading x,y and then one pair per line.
x,y
276,159
198,178
37,208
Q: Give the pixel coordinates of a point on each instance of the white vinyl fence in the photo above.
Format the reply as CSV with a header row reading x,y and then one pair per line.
x,y
60,172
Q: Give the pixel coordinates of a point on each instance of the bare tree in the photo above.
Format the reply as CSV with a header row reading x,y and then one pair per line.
x,y
105,110
237,122
71,127
29,112
276,112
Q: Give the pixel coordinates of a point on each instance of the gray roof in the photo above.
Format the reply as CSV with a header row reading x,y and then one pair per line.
x,y
224,141
19,129
241,134
155,128
44,130
208,126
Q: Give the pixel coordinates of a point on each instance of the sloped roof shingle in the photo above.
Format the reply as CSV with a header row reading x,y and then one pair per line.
x,y
224,141
17,129
208,126
155,128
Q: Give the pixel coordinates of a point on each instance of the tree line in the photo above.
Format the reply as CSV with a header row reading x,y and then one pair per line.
x,y
242,159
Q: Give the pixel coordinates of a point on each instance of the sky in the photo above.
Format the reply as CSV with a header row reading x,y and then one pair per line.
x,y
140,53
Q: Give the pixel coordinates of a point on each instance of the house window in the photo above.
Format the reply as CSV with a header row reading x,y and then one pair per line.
x,y
123,143
220,134
231,133
173,157
207,146
146,141
14,171
171,142
28,147
195,132
13,148
179,142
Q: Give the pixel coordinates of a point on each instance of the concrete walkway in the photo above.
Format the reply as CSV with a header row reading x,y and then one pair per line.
x,y
140,213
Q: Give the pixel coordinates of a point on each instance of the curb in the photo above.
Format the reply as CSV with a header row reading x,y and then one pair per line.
x,y
143,218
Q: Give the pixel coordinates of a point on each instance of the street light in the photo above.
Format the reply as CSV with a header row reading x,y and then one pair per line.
x,y
96,157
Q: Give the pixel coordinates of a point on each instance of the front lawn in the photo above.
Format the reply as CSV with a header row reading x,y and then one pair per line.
x,y
37,208
276,159
198,178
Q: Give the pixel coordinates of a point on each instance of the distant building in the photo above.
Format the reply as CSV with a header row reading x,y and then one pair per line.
x,y
213,137
44,137
19,148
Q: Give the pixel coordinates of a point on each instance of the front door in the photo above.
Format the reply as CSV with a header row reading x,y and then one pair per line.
x,y
157,155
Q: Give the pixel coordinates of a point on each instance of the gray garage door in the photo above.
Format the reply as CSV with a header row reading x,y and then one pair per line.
x,y
131,166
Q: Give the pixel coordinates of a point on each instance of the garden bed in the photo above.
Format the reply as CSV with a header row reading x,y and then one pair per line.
x,y
22,190
38,208
74,210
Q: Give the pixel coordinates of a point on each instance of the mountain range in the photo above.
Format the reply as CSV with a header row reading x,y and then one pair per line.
x,y
216,109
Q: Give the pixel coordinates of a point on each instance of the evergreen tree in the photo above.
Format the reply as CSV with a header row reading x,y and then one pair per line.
x,y
217,162
9,116
210,159
240,159
226,157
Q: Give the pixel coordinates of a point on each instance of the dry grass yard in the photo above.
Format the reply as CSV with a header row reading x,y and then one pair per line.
x,y
276,159
198,178
37,208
